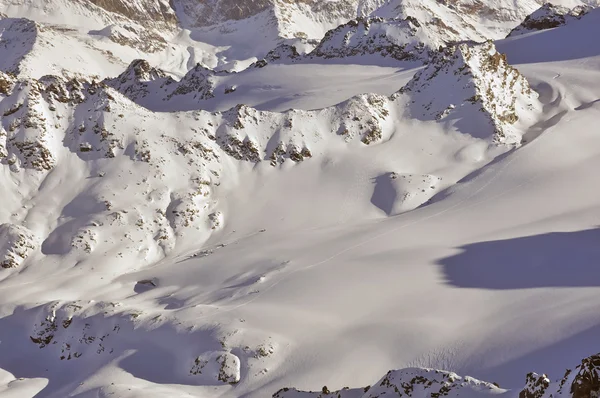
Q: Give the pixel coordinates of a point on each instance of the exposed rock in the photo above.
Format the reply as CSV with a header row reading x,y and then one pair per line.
x,y
536,386
549,16
586,382
482,94
140,79
401,39
582,382
218,366
410,382
16,245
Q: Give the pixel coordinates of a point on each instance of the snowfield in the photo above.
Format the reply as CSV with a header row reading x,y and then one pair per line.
x,y
189,210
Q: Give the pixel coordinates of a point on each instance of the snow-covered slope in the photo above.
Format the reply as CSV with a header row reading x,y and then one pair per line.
x,y
93,14
404,39
581,382
168,229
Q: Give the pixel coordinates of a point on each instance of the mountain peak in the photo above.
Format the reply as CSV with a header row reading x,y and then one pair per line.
x,y
474,87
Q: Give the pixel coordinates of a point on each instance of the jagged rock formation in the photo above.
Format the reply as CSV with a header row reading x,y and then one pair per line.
x,y
582,382
400,39
16,244
403,39
475,88
547,17
140,79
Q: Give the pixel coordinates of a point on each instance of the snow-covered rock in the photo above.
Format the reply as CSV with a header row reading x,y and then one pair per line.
x,y
549,16
409,382
581,382
403,39
16,244
219,366
473,87
154,89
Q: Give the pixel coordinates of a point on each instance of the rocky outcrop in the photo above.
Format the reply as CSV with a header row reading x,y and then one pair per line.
x,y
219,366
581,382
410,382
16,245
140,79
473,86
399,39
549,16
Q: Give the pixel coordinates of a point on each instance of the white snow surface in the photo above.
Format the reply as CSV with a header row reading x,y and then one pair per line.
x,y
171,230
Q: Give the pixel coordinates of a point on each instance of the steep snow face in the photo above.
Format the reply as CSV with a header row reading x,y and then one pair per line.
x,y
17,38
28,48
32,49
549,16
474,88
134,36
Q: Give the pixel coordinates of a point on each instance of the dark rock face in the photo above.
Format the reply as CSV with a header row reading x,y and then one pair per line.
x,y
587,379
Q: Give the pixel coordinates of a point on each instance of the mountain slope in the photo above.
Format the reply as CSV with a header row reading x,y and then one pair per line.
x,y
159,238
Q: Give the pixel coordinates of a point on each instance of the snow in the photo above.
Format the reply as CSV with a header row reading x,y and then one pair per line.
x,y
354,216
